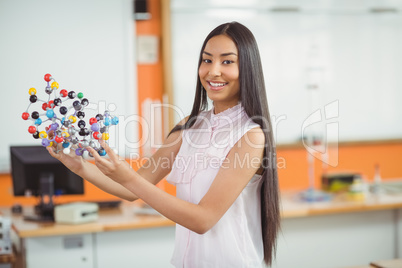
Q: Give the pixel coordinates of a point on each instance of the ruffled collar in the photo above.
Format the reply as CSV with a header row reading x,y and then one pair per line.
x,y
227,116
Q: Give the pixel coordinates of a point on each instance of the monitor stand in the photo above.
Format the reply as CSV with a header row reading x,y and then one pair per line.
x,y
38,218
44,211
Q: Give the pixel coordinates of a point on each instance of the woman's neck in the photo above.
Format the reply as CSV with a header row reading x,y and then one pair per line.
x,y
220,107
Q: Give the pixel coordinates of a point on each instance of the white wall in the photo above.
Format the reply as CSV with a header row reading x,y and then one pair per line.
x,y
86,45
355,54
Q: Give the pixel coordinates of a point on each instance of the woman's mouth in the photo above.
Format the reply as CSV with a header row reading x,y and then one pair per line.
x,y
216,85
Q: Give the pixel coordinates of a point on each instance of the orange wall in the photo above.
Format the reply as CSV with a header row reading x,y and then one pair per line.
x,y
150,76
361,158
92,193
7,199
292,170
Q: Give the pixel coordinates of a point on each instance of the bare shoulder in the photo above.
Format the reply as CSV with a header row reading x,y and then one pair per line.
x,y
256,135
254,138
183,121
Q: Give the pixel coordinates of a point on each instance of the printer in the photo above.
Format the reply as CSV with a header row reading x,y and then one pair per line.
x,y
76,213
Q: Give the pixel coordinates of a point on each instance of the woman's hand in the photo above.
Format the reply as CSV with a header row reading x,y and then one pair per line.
x,y
115,167
71,161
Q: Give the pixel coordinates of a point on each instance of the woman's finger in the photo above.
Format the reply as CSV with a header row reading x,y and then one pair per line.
x,y
103,164
52,153
109,151
98,159
94,153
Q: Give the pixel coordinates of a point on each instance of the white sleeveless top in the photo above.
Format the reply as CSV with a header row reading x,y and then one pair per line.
x,y
236,240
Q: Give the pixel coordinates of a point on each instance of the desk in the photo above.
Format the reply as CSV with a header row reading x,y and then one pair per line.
x,y
340,233
396,263
118,239
122,218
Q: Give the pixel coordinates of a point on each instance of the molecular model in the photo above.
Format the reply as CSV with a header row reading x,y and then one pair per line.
x,y
69,128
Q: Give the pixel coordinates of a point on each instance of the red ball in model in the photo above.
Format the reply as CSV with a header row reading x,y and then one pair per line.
x,y
59,139
25,116
44,106
48,77
63,93
96,135
32,129
92,120
50,104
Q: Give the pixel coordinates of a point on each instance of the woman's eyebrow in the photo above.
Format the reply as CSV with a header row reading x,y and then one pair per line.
x,y
222,55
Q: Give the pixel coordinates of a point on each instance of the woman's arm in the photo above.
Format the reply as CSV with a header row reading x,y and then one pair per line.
x,y
156,168
161,162
91,173
226,187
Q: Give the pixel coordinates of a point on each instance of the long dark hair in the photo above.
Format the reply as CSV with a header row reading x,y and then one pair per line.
x,y
254,100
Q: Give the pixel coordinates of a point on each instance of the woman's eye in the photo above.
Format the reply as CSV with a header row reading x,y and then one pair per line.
x,y
206,61
227,62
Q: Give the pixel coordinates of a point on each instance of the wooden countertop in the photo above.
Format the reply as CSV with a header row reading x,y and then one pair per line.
x,y
122,218
387,263
125,218
293,207
395,263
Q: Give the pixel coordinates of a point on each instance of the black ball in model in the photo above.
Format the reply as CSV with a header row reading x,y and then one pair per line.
x,y
84,102
57,102
82,132
36,135
35,115
81,124
63,110
77,105
80,115
72,94
99,117
33,98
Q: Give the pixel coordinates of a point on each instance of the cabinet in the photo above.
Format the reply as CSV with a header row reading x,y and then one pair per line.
x,y
315,235
119,238
151,248
128,248
60,251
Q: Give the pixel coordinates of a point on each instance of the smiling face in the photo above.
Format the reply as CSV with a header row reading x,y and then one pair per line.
x,y
219,72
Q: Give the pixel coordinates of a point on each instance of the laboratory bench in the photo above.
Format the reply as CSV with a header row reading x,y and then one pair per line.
x,y
341,232
337,233
119,238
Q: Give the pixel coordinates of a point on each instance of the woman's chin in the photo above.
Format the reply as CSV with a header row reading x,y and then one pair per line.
x,y
215,98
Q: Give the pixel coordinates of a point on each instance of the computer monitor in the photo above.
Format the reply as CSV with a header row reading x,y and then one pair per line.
x,y
36,173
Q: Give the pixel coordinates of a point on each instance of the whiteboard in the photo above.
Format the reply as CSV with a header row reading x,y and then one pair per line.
x,y
351,55
87,46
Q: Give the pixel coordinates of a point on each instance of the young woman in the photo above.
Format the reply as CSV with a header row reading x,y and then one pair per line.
x,y
222,161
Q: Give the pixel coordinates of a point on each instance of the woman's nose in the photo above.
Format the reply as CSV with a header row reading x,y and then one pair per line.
x,y
214,70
